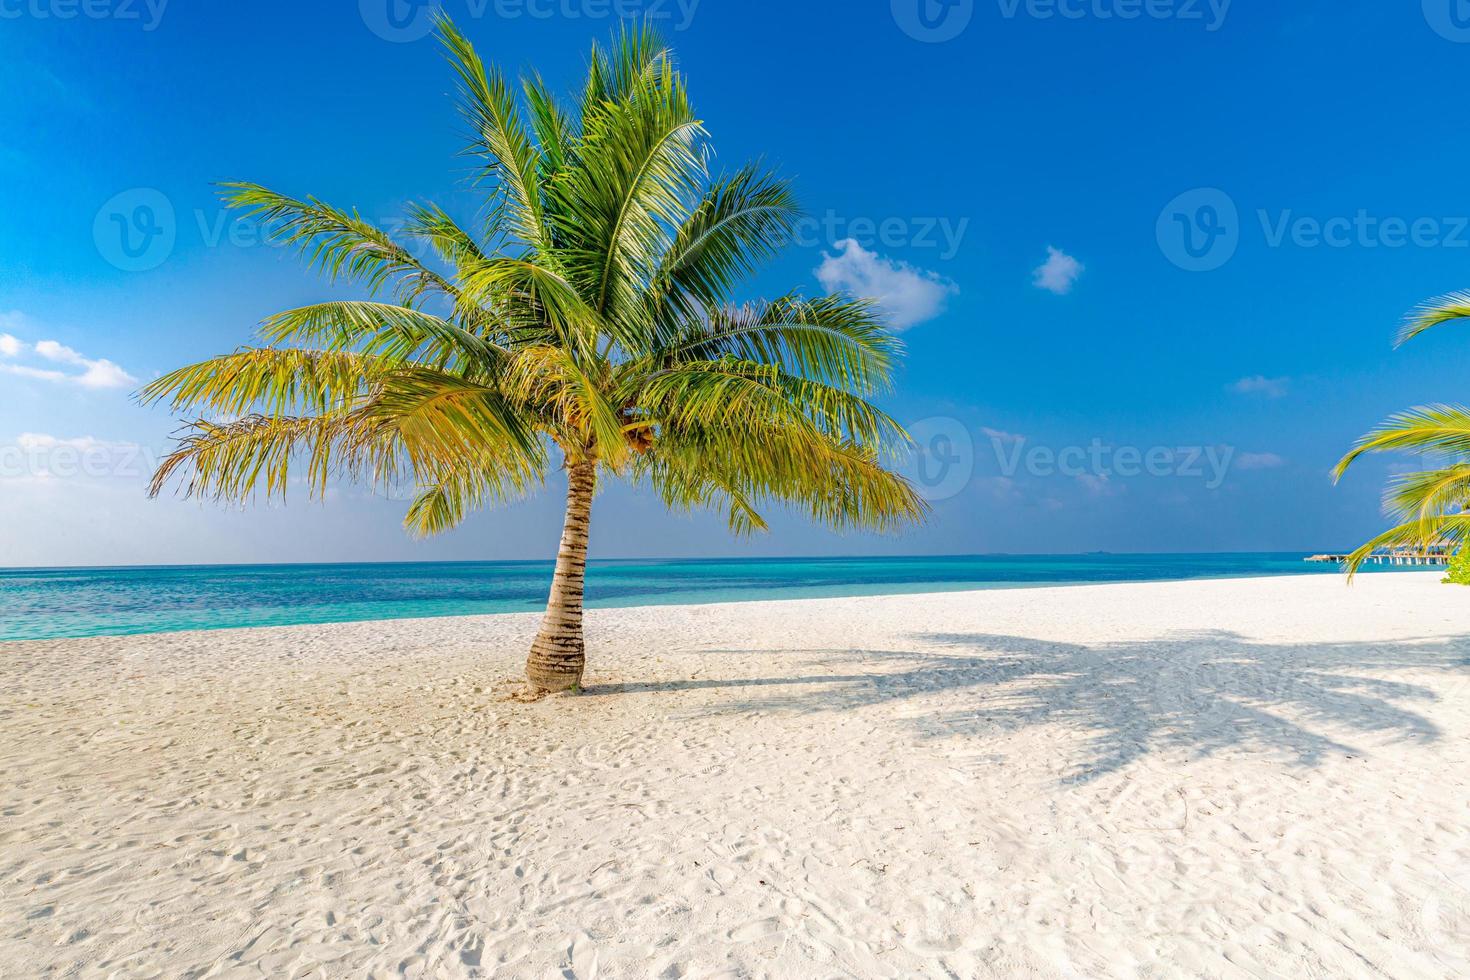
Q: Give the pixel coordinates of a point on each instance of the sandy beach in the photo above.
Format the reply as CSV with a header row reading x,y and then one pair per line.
x,y
1249,778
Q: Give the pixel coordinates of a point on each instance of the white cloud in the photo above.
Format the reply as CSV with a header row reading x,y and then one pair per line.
x,y
1259,461
40,374
1000,435
97,374
39,441
1059,273
104,374
1001,487
53,351
1100,485
908,295
1262,385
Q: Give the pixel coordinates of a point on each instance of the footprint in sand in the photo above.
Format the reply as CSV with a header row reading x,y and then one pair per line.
x,y
752,931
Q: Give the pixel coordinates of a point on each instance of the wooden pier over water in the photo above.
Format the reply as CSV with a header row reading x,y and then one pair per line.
x,y
1430,557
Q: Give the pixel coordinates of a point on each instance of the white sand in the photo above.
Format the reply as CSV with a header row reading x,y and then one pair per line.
x,y
1262,778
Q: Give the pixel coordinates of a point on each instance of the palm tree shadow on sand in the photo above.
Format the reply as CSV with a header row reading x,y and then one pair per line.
x,y
1202,692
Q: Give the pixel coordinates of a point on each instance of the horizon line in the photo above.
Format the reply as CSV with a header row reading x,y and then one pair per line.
x,y
631,560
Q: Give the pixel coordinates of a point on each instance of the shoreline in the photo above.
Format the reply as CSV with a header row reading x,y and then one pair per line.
x,y
1222,778
548,562
846,592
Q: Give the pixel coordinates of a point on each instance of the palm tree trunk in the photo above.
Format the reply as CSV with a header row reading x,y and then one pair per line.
x,y
558,654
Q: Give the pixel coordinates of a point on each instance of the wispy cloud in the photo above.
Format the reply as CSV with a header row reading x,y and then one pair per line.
x,y
1101,485
1059,273
37,374
1259,461
1261,385
40,441
95,373
908,295
99,373
1000,435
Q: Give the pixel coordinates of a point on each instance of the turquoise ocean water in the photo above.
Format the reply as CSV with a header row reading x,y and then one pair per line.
x,y
48,603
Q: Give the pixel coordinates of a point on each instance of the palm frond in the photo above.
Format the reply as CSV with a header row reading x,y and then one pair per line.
x,y
638,54
836,483
1424,494
340,243
1452,530
739,394
432,224
638,175
831,339
269,380
550,381
440,416
1446,309
549,306
1436,429
395,333
740,223
231,460
498,135
551,127
454,490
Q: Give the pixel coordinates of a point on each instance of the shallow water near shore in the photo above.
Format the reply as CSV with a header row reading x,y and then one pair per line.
x,y
40,604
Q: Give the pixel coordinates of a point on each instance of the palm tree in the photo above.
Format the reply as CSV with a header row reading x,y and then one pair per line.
x,y
591,323
1430,506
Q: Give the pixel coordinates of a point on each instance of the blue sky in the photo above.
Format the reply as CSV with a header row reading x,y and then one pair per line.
x,y
1015,179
